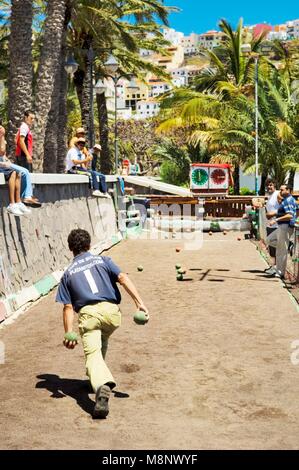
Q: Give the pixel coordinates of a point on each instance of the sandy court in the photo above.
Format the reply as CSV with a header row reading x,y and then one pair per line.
x,y
211,370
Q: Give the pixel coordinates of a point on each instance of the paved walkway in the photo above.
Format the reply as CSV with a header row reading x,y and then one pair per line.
x,y
211,370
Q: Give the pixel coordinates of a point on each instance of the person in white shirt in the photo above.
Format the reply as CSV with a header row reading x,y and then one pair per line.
x,y
272,206
76,163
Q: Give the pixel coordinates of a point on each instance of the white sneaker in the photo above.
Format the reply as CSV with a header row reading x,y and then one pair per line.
x,y
98,193
14,209
23,208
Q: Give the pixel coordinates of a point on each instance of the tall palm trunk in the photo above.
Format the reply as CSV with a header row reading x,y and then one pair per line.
x,y
83,83
237,179
52,131
20,69
263,184
62,118
105,159
56,132
291,178
48,65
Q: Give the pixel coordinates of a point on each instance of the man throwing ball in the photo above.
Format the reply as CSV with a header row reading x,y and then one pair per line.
x,y
89,287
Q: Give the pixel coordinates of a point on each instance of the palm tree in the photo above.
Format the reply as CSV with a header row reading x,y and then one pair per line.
x,y
105,26
230,71
20,69
222,109
48,65
56,133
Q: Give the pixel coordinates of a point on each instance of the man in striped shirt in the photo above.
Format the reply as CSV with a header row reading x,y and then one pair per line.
x,y
286,218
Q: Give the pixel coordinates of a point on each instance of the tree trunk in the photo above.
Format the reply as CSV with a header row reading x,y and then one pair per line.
x,y
83,83
263,184
62,119
48,65
105,159
86,102
237,179
20,70
291,178
79,77
52,130
56,132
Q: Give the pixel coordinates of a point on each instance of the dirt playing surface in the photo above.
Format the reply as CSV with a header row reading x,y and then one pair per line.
x,y
211,369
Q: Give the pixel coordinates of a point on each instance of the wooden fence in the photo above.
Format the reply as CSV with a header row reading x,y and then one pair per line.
x,y
218,207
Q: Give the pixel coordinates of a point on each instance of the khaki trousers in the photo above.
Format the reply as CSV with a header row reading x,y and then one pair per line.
x,y
280,239
96,323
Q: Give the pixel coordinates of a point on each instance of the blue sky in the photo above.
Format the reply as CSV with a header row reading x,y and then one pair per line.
x,y
199,16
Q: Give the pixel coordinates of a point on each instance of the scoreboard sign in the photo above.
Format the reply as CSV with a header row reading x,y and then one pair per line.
x,y
213,178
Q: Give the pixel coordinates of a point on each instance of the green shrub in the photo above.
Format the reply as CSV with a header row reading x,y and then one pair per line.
x,y
246,192
171,173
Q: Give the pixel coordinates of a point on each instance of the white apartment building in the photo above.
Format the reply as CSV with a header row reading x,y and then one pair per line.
x,y
293,29
179,81
146,52
146,109
124,113
173,36
279,35
190,44
211,39
174,59
157,87
187,73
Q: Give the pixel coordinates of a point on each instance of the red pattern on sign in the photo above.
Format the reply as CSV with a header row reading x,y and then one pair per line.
x,y
218,176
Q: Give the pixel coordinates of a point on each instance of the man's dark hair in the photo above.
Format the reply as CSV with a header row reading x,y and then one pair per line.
x,y
28,112
288,187
79,241
270,180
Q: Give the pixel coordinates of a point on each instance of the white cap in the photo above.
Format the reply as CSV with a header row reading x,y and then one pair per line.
x,y
97,146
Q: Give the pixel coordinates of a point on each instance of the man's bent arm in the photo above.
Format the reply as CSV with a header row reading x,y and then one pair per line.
x,y
126,282
287,216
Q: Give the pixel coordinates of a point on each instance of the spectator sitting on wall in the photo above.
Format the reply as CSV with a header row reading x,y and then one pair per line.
x,y
76,163
80,134
95,153
26,186
125,167
16,207
134,169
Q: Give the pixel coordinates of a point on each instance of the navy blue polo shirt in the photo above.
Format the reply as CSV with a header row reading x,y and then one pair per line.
x,y
89,279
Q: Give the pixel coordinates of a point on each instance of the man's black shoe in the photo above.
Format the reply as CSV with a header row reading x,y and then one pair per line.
x,y
101,408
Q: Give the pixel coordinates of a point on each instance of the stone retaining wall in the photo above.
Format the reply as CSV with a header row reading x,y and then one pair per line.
x,y
33,248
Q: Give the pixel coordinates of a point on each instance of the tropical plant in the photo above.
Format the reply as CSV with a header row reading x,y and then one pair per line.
x,y
218,112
